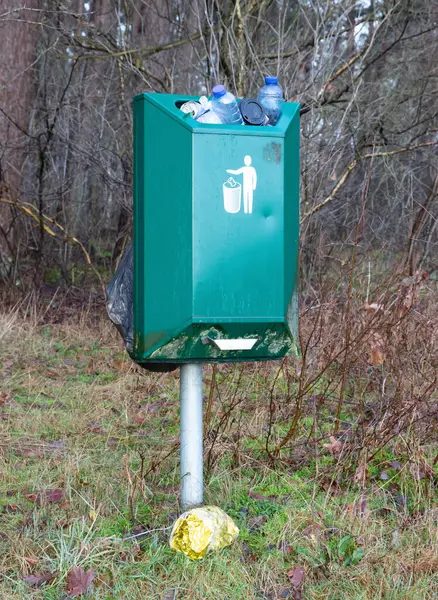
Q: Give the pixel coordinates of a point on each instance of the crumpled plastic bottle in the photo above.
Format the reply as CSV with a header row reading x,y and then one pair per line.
x,y
207,114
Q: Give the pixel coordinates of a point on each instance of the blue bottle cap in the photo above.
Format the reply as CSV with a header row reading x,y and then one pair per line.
x,y
271,80
219,90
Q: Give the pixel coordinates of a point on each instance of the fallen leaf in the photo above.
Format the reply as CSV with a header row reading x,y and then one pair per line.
x,y
169,595
8,401
248,554
96,428
427,469
38,579
334,447
297,576
421,470
112,443
62,523
331,532
409,300
360,475
118,364
377,344
52,373
140,418
383,512
373,306
30,561
256,496
29,451
47,497
376,356
314,530
93,367
285,547
246,550
401,500
79,581
11,508
360,508
3,398
105,580
256,523
153,407
7,367
131,553
56,446
330,485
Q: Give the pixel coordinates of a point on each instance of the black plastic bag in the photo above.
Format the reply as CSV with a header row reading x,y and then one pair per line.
x,y
120,307
120,298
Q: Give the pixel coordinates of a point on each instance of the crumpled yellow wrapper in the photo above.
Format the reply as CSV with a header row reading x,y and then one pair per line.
x,y
201,530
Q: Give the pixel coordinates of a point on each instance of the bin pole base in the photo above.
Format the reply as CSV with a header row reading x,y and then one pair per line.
x,y
191,436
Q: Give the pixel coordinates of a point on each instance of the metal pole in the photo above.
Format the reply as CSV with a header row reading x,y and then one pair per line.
x,y
192,484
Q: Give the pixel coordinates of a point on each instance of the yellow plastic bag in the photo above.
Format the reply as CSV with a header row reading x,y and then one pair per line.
x,y
201,530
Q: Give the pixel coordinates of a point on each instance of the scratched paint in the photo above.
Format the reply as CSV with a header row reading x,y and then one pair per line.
x,y
272,152
274,341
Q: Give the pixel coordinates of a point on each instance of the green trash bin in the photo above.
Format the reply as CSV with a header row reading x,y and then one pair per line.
x,y
216,226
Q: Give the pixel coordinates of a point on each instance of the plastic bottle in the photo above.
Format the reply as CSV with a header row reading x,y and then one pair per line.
x,y
225,106
271,98
207,115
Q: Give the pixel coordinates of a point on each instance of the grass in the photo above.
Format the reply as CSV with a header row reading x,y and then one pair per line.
x,y
89,456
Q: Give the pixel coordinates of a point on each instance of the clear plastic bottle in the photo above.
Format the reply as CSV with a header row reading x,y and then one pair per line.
x,y
225,106
271,98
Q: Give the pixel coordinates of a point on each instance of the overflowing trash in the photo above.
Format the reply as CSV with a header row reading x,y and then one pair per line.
x,y
191,108
201,111
271,98
253,112
225,108
201,530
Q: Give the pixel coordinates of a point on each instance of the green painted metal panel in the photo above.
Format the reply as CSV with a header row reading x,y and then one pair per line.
x,y
213,258
292,222
162,227
237,254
